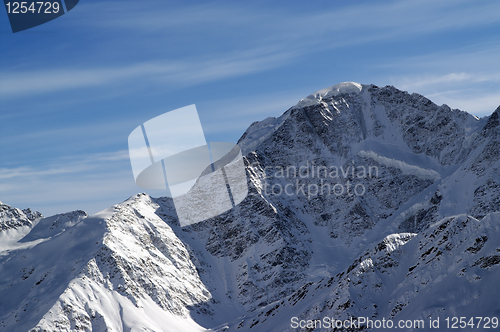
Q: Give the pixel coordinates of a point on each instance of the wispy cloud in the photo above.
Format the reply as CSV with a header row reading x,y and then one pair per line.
x,y
64,166
476,93
465,78
424,82
473,101
173,73
133,15
91,182
56,144
372,19
51,195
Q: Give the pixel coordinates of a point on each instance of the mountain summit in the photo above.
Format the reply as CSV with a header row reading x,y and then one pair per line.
x,y
363,202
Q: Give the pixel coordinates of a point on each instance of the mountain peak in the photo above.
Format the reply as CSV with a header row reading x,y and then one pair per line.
x,y
318,96
494,120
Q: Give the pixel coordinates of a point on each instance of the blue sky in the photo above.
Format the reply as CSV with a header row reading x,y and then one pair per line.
x,y
72,90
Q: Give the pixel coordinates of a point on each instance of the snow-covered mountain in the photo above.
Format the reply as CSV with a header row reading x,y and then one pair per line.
x,y
363,202
15,224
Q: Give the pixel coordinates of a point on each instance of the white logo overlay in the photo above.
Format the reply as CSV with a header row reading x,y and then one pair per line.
x,y
170,152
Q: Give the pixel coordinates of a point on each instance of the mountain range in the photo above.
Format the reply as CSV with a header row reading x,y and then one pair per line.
x,y
365,203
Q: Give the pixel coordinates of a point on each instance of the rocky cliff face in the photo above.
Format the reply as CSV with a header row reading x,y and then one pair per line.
x,y
441,272
15,224
13,218
363,202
